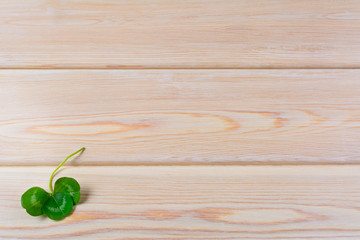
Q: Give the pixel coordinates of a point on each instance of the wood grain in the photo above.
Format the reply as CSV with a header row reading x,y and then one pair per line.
x,y
180,34
160,83
233,202
180,116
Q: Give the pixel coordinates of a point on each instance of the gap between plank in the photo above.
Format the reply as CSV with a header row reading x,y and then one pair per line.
x,y
184,68
189,164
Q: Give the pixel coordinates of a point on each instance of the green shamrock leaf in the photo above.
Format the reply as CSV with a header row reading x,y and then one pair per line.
x,y
33,200
58,206
58,203
68,185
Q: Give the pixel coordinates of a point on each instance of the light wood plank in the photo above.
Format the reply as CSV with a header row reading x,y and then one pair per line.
x,y
180,116
178,34
233,202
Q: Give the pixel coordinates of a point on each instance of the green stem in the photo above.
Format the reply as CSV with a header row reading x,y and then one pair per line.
x,y
53,174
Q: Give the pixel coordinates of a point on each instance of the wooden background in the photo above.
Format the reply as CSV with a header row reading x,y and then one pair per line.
x,y
208,119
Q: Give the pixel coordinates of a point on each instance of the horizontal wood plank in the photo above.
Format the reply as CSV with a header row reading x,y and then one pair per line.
x,y
180,34
233,202
180,116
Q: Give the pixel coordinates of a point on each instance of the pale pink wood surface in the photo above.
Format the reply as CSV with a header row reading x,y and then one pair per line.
x,y
192,202
180,34
180,116
195,89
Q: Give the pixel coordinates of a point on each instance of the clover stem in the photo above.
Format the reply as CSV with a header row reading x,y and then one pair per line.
x,y
53,174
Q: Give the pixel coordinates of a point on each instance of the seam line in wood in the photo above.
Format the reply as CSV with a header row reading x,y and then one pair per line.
x,y
187,164
186,68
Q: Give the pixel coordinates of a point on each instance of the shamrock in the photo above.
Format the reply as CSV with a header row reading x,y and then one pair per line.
x,y
59,202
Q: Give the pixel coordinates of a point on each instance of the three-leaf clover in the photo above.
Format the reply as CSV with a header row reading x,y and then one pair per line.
x,y
59,202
